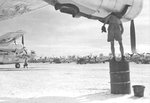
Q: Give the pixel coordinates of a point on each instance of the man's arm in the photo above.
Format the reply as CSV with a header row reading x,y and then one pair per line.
x,y
105,22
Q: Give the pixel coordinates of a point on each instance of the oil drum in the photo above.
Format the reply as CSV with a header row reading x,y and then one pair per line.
x,y
119,77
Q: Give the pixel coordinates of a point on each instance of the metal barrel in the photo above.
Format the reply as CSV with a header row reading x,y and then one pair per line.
x,y
119,77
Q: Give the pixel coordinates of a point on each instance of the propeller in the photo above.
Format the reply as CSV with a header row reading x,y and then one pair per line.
x,y
24,46
23,40
25,50
133,37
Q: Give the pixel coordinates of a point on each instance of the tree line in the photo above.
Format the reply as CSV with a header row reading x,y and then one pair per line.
x,y
143,58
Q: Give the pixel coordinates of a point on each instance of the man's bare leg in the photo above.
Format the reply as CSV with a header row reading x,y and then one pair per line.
x,y
121,49
113,49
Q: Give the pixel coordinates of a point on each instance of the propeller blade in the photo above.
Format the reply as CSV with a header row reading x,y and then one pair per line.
x,y
23,40
25,51
133,37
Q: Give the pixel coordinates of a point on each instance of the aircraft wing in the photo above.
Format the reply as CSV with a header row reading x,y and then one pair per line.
x,y
10,37
96,9
12,8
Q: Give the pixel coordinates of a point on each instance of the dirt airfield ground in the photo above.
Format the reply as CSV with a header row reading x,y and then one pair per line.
x,y
68,83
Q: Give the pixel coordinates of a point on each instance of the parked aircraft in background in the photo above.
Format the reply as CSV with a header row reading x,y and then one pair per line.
x,y
11,50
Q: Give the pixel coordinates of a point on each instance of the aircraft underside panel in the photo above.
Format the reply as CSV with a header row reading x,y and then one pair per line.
x,y
92,4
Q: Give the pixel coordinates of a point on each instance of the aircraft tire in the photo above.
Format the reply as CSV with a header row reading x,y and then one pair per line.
x,y
17,65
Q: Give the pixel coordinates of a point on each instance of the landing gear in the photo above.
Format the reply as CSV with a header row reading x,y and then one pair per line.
x,y
17,65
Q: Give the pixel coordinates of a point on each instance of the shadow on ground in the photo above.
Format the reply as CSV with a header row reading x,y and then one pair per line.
x,y
59,99
51,99
21,69
100,96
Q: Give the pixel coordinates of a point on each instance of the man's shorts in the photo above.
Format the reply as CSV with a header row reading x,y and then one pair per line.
x,y
114,34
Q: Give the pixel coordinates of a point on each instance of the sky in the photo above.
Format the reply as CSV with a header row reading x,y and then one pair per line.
x,y
51,33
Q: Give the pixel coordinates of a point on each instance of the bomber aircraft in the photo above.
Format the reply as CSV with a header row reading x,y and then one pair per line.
x,y
92,9
12,51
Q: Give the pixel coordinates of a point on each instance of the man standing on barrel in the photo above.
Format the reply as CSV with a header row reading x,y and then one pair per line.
x,y
115,30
